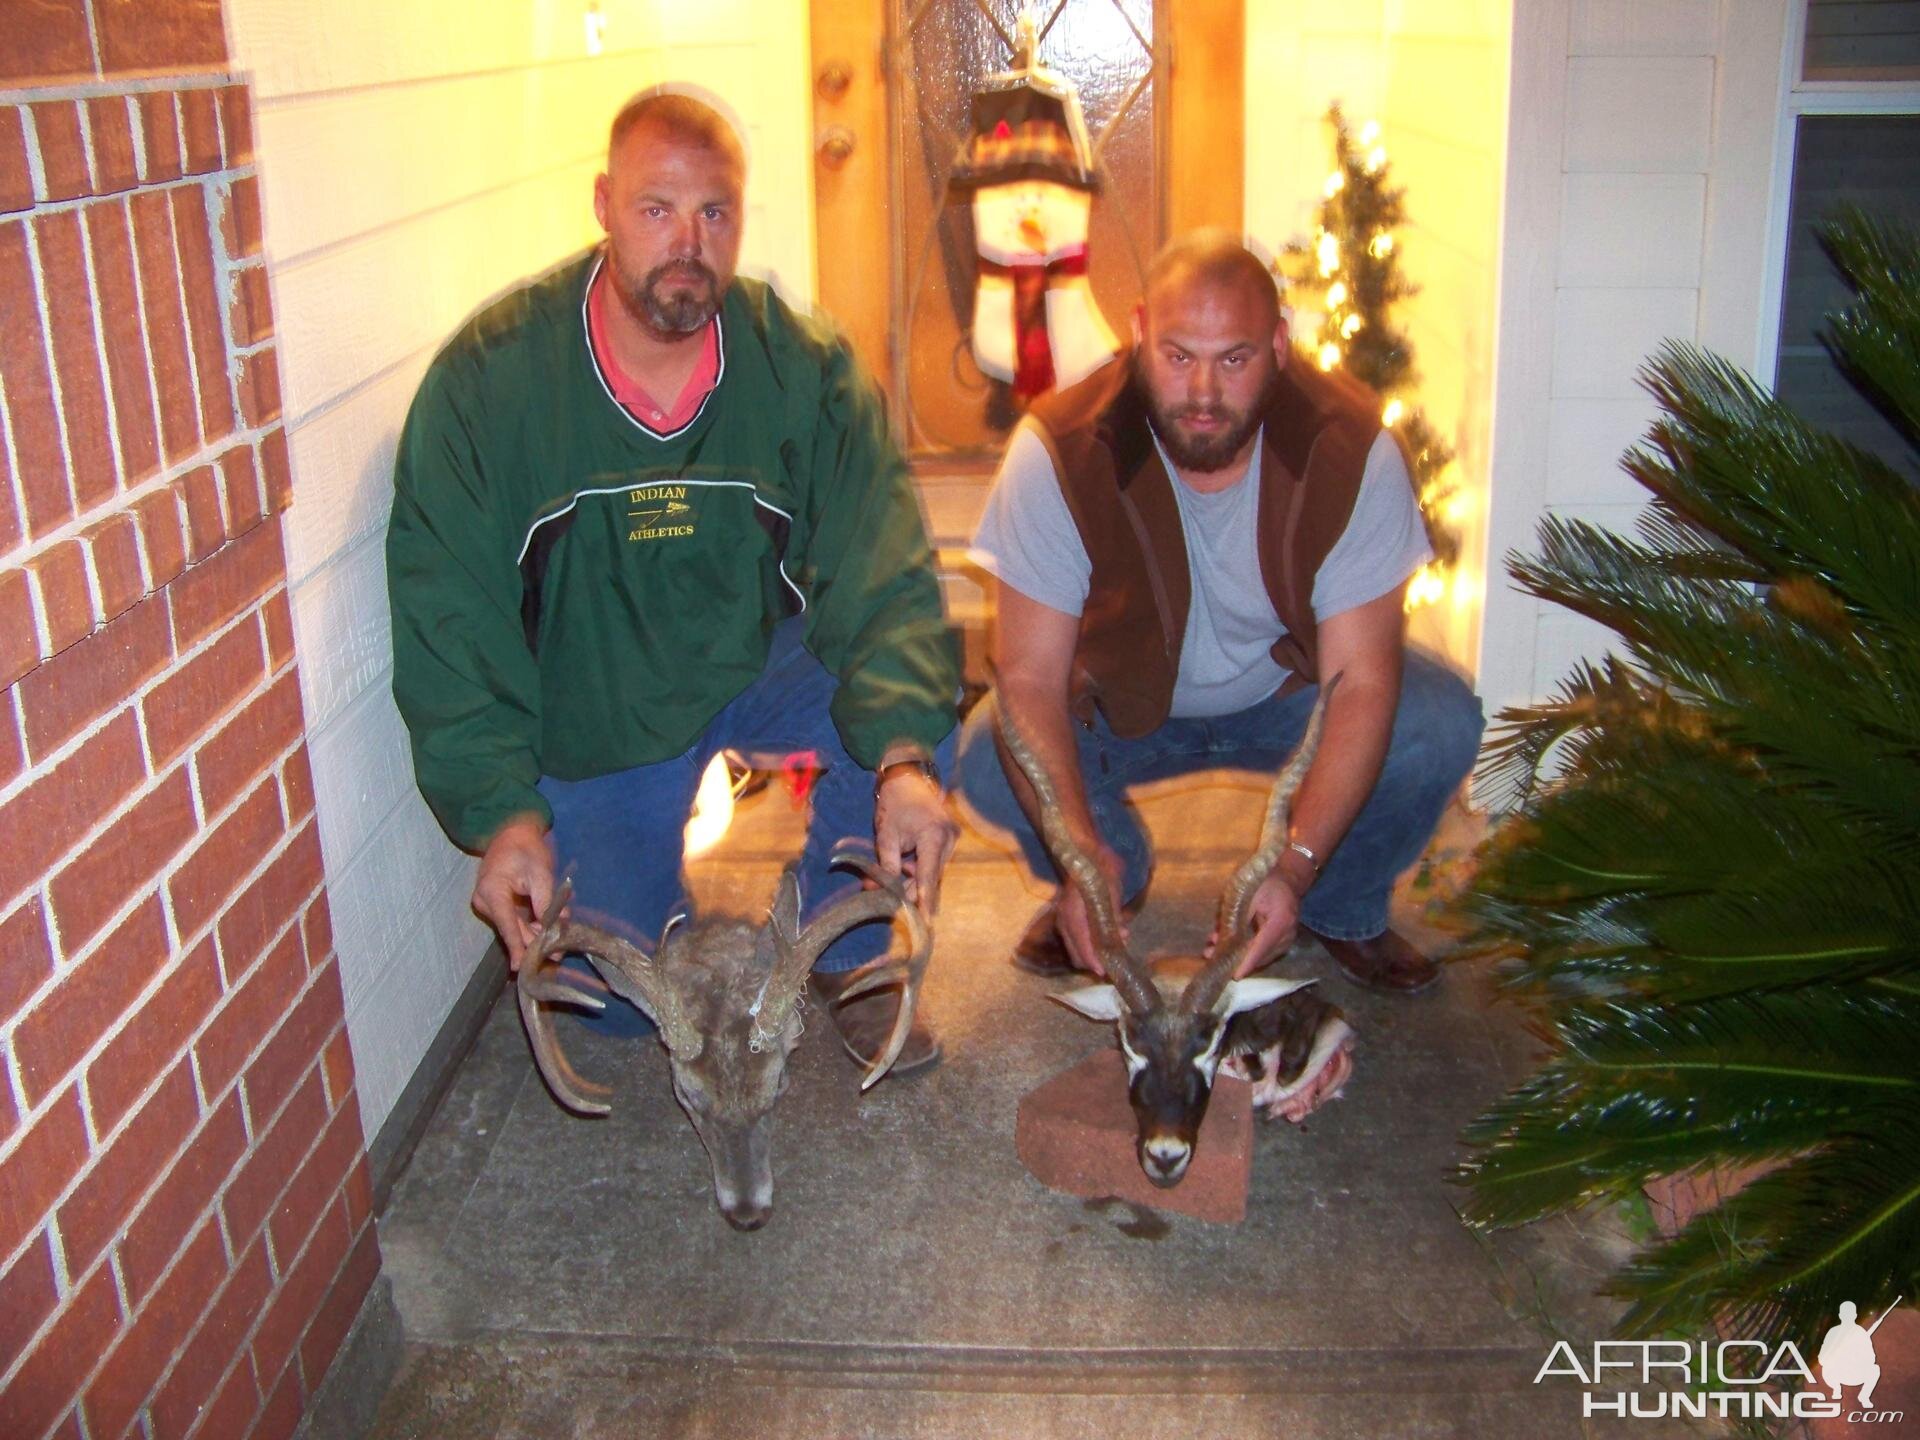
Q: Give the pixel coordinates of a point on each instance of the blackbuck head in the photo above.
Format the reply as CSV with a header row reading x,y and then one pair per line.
x,y
727,997
1172,1035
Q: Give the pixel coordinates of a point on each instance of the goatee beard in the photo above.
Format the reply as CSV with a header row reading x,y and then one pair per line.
x,y
667,313
1211,454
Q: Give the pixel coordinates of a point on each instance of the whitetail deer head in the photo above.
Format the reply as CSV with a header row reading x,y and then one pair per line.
x,y
727,998
1173,1036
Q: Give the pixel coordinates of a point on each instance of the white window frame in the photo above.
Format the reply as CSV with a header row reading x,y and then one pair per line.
x,y
1799,98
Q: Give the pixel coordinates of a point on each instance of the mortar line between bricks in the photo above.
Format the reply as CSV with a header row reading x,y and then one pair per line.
x,y
36,164
150,371
93,48
140,187
120,85
24,554
111,400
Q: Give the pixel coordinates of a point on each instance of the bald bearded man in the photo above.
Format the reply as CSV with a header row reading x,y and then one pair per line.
x,y
1185,546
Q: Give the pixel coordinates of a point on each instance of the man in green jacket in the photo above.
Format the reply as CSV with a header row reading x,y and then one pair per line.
x,y
644,512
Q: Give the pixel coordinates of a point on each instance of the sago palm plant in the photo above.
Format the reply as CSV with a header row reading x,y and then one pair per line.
x,y
1710,889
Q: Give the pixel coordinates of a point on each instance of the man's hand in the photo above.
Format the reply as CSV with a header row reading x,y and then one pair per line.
x,y
1274,917
1070,913
515,884
913,833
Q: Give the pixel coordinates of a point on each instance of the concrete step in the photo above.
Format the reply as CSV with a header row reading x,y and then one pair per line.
x,y
615,1390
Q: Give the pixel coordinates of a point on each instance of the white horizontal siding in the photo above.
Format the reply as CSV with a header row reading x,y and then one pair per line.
x,y
297,47
344,456
432,959
361,307
1564,641
361,761
341,626
343,170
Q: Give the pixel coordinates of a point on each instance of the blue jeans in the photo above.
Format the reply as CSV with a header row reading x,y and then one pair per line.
x,y
1436,735
621,834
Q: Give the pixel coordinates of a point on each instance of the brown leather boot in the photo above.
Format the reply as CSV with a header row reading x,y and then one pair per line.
x,y
864,1023
1386,962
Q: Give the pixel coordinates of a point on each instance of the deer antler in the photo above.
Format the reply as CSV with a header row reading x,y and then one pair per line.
x,y
1205,989
909,972
629,972
796,949
1080,869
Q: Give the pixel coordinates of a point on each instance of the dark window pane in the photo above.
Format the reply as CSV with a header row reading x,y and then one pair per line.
x,y
1872,161
1862,40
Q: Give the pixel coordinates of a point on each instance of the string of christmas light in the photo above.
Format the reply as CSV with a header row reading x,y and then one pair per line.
x,y
1353,266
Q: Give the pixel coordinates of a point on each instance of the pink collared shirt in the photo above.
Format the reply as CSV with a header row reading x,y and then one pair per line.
x,y
638,403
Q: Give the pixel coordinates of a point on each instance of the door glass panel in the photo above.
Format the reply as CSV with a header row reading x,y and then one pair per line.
x,y
942,51
1872,161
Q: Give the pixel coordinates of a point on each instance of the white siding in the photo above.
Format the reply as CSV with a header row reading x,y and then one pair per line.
x,y
418,157
1636,198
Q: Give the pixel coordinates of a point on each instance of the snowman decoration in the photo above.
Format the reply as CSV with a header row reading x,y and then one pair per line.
x,y
1029,171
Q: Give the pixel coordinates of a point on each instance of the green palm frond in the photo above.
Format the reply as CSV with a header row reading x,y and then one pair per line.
x,y
1841,1222
1709,892
1879,340
1595,702
1650,1088
1787,495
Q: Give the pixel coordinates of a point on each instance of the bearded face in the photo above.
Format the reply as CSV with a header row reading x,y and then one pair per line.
x,y
671,207
675,297
1207,361
1206,435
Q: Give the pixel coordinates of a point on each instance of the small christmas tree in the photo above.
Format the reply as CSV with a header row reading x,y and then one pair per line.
x,y
1353,267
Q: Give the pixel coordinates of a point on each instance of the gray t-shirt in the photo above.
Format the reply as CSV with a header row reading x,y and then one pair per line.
x,y
1028,539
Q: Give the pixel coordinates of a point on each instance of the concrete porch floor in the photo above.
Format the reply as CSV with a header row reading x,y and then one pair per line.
x,y
560,1277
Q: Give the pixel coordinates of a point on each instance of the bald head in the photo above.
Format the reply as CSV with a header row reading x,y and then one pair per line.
x,y
679,118
1208,347
671,204
1212,260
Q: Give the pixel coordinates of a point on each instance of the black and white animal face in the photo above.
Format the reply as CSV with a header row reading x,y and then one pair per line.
x,y
1171,1061
1172,1057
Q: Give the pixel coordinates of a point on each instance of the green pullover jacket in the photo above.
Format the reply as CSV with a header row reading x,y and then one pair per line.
x,y
574,594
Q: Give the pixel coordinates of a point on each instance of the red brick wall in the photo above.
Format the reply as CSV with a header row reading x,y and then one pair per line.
x,y
184,1201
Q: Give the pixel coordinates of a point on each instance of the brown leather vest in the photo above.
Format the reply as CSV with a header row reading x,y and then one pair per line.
x,y
1313,455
